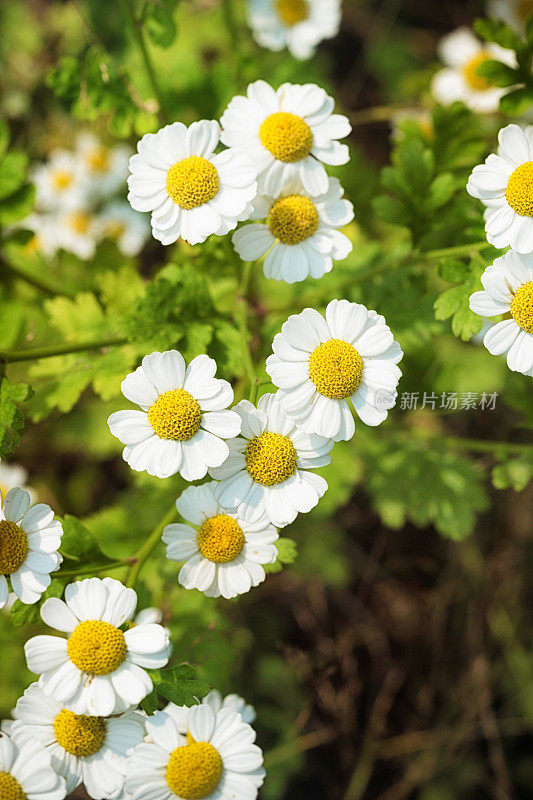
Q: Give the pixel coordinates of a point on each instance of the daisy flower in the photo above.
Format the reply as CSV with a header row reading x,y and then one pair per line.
x,y
298,25
508,285
218,759
289,134
106,168
462,54
14,476
504,183
46,234
77,232
59,183
513,12
191,191
300,235
29,543
183,420
129,229
26,771
268,468
180,714
98,669
224,552
319,364
84,749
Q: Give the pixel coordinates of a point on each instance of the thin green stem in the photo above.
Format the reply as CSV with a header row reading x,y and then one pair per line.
x,y
458,250
89,569
137,561
138,34
241,316
37,282
36,353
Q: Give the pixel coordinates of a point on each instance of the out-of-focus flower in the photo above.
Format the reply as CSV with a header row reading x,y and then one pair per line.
x,y
105,168
128,228
298,25
60,183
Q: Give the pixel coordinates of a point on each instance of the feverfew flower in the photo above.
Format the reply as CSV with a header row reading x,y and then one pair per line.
x,y
46,234
183,420
289,134
105,168
298,25
77,232
218,760
60,183
180,714
13,476
300,235
191,191
29,544
129,229
26,771
98,669
463,54
268,469
508,284
84,749
319,364
504,183
223,554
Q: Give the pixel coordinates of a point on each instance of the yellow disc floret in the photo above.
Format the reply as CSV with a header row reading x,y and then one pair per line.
x,y
98,159
336,368
175,415
10,789
13,547
470,74
79,222
270,458
293,219
194,770
519,191
291,12
220,539
522,307
62,179
192,182
97,647
79,735
287,136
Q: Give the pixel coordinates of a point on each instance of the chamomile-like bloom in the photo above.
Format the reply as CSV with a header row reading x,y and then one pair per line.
x,y
183,422
105,168
29,544
320,364
129,229
300,236
508,285
504,183
224,552
84,749
513,12
77,232
14,476
298,25
26,771
60,183
191,191
46,237
98,669
180,714
289,134
268,468
463,54
217,760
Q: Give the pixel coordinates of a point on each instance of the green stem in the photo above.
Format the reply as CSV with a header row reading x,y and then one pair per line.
x,y
137,561
458,250
35,353
241,316
138,34
235,39
38,283
94,569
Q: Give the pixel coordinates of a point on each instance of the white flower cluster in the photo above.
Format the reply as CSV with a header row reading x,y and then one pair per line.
x,y
78,201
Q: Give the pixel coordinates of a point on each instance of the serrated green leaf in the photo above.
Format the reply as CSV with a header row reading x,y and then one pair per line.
x,y
11,417
149,703
178,685
23,614
79,545
452,270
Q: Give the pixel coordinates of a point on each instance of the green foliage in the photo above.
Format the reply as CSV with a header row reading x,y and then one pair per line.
x,y
178,685
79,547
159,22
287,554
518,101
453,303
24,614
11,417
516,473
16,195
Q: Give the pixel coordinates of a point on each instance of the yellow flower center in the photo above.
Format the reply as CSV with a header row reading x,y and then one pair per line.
x,y
115,229
519,191
522,307
292,219
192,182
286,136
175,415
336,369
62,179
79,735
291,12
220,539
475,81
97,647
194,770
10,788
13,547
98,159
79,222
270,458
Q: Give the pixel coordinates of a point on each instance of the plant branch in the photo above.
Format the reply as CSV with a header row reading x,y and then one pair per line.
x,y
458,250
137,561
36,353
37,282
93,569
